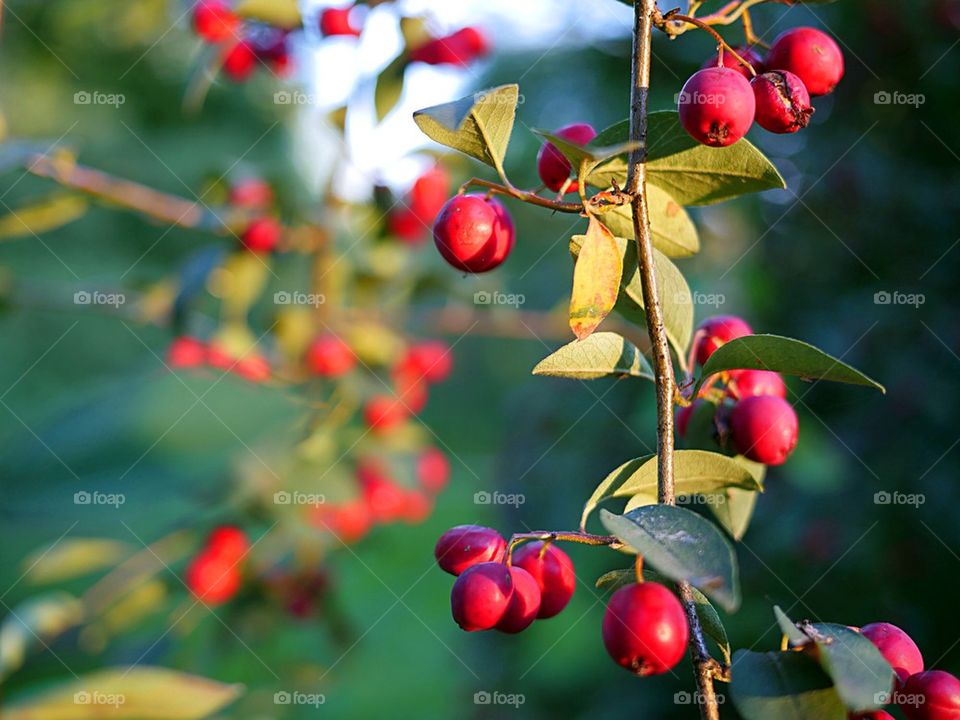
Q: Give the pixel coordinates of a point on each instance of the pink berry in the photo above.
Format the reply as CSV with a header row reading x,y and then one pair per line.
x,y
383,413
336,21
930,695
552,568
186,352
764,428
433,470
473,233
747,383
524,603
645,629
896,646
240,61
481,595
717,106
214,21
330,356
716,331
554,169
464,546
262,235
811,55
433,360
429,194
783,103
251,193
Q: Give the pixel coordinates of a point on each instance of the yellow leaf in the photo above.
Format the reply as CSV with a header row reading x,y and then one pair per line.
x,y
596,280
279,13
49,214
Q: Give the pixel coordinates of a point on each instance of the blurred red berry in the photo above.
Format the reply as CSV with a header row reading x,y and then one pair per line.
x,y
429,194
186,352
252,193
432,360
417,507
433,470
214,21
240,61
213,579
336,21
383,413
330,356
252,367
228,542
262,235
406,225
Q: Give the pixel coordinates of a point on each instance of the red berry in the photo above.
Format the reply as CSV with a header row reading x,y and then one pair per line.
x,y
349,522
716,106
875,715
417,507
473,233
552,568
213,21
432,360
213,579
552,167
460,48
405,224
218,357
387,500
254,368
811,55
251,193
229,543
729,61
714,332
645,629
409,387
240,61
330,356
473,39
186,352
747,383
897,647
336,21
683,417
764,428
524,603
383,413
429,194
481,595
433,470
930,695
783,103
464,546
262,235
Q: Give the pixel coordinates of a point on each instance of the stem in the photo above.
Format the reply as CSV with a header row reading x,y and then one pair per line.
x,y
525,195
722,44
644,13
583,538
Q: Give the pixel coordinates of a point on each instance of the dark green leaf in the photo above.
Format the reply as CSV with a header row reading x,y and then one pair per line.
x,y
782,686
784,355
735,509
591,154
600,355
683,546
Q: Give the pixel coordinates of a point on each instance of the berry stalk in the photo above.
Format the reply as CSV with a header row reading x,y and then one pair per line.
x,y
645,12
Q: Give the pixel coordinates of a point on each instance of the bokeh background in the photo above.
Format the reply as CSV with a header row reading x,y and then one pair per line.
x,y
872,207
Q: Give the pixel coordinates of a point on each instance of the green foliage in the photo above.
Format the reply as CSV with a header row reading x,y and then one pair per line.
x,y
601,355
782,685
674,233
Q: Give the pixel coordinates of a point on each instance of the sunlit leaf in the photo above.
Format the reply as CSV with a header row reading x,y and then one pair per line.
x,y
600,355
596,279
674,233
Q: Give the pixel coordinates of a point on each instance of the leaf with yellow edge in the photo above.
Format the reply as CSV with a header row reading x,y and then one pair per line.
x,y
49,214
596,279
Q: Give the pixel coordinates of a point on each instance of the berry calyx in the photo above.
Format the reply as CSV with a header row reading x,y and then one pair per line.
x,y
552,167
552,568
262,235
383,413
213,579
186,352
764,428
783,103
336,21
645,629
714,332
524,603
716,106
930,695
897,647
214,21
464,546
481,595
811,55
747,383
729,61
473,233
433,470
330,356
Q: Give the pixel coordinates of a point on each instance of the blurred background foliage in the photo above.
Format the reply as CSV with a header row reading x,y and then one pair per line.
x,y
872,206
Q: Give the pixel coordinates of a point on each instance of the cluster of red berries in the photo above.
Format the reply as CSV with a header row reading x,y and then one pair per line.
x,y
187,353
921,695
245,45
214,574
750,407
382,500
419,209
720,102
496,592
459,48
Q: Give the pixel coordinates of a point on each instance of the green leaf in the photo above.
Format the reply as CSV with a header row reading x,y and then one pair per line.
x,y
782,685
590,153
596,279
389,86
279,13
35,621
73,557
862,677
683,546
709,617
600,355
735,509
784,355
693,174
674,233
478,125
137,692
49,214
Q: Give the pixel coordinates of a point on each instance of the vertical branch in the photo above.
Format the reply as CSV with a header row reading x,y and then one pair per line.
x,y
644,13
